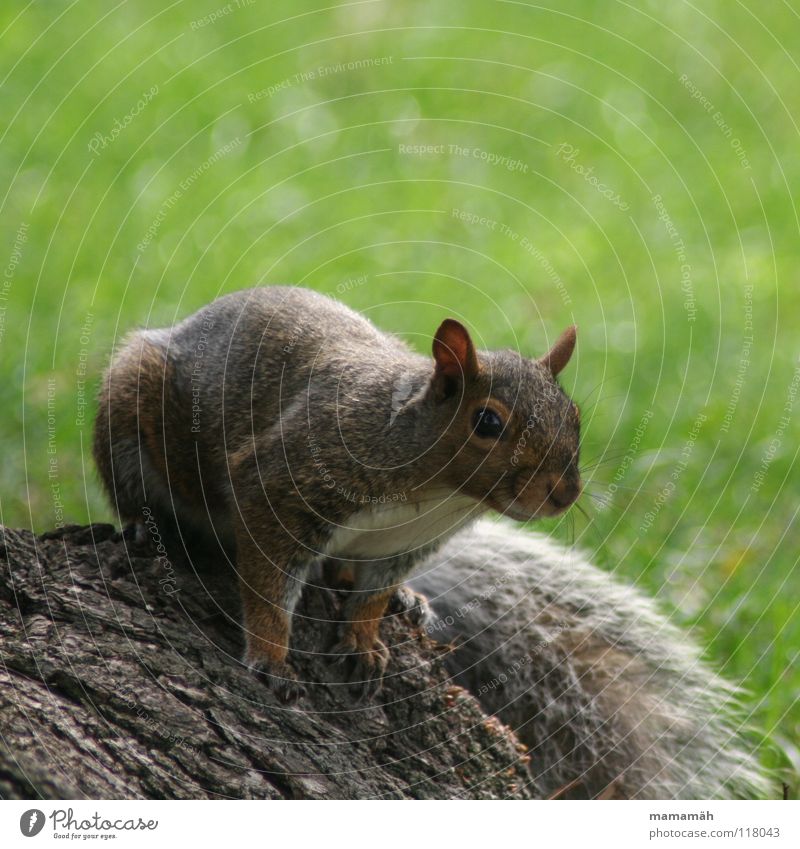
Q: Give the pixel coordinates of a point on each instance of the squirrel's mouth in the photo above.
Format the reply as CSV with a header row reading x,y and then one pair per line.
x,y
538,500
515,510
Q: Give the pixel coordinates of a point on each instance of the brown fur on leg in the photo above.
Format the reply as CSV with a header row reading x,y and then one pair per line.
x,y
360,643
267,603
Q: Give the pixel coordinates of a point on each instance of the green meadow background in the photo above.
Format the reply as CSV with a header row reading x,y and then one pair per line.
x,y
632,168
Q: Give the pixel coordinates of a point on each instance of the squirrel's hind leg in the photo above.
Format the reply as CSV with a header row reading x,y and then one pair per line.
x,y
272,573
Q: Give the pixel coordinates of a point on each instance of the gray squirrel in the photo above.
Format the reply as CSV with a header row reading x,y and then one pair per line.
x,y
612,700
286,426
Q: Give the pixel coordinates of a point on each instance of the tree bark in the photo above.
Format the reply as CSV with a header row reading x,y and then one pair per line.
x,y
120,678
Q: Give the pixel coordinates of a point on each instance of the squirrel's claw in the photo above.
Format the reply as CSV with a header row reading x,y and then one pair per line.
x,y
280,679
368,664
342,650
410,606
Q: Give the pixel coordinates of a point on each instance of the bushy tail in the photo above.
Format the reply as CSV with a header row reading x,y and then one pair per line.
x,y
612,700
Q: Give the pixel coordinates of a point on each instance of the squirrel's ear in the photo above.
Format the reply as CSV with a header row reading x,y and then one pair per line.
x,y
453,353
559,355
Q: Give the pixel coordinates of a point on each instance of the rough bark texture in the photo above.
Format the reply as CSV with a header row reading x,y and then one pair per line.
x,y
120,678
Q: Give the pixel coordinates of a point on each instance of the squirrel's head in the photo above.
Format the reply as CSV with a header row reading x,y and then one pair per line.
x,y
508,433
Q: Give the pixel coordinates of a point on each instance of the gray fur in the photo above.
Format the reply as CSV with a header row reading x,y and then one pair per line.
x,y
605,692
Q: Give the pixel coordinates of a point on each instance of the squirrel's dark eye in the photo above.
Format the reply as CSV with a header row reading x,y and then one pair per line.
x,y
487,423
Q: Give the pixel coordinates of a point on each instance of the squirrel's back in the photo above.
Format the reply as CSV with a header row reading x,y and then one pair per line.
x,y
611,699
280,322
175,402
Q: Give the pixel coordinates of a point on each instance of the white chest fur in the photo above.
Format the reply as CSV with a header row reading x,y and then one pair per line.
x,y
385,530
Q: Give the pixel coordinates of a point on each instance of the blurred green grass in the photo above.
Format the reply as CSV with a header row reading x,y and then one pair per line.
x,y
681,169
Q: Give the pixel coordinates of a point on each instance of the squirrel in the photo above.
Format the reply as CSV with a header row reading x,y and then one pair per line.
x,y
287,426
611,699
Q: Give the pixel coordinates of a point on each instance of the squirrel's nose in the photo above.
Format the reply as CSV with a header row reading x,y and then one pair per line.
x,y
562,491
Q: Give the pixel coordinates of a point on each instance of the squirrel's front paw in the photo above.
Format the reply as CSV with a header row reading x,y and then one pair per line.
x,y
411,606
279,677
367,661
